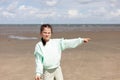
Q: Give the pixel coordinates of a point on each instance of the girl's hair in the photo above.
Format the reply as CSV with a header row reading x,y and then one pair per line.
x,y
43,41
44,26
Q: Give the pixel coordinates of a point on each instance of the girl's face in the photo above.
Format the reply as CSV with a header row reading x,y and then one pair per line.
x,y
46,34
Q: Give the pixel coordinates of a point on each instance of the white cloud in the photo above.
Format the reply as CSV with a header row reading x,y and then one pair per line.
x,y
46,14
51,2
100,11
104,13
88,1
115,3
54,10
73,13
1,8
27,8
8,14
28,11
116,13
12,6
84,0
4,1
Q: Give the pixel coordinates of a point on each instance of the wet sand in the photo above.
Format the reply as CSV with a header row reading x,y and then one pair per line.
x,y
97,60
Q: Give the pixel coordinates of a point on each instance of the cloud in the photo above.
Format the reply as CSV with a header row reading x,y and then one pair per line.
x,y
46,14
1,8
8,14
73,13
115,3
25,8
4,1
99,11
8,11
55,10
29,11
26,12
115,13
87,1
12,6
104,13
49,3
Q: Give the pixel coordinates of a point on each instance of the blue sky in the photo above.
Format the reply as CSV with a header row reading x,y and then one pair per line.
x,y
60,11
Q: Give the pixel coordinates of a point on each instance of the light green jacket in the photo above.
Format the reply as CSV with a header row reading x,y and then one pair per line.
x,y
49,56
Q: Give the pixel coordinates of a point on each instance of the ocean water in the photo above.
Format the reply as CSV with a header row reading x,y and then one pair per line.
x,y
12,30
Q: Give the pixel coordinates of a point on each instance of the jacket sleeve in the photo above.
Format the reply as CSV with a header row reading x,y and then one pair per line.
x,y
71,43
38,60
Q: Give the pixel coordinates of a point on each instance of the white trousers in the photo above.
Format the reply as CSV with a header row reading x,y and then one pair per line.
x,y
53,74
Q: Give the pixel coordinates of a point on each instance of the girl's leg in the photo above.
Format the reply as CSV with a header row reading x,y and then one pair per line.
x,y
49,74
58,74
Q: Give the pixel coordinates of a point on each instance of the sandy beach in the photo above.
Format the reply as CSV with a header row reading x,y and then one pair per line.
x,y
97,60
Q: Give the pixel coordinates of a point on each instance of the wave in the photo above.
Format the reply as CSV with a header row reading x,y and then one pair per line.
x,y
22,37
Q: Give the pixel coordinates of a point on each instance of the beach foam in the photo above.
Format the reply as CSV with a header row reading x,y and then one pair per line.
x,y
22,37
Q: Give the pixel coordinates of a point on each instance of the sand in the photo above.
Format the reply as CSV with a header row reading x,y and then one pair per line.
x,y
97,60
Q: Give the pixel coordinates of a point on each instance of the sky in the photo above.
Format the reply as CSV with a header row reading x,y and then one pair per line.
x,y
60,11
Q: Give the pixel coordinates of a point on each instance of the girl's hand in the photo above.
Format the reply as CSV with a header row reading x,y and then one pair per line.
x,y
37,77
86,40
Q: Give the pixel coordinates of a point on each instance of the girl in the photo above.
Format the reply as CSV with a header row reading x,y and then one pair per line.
x,y
48,53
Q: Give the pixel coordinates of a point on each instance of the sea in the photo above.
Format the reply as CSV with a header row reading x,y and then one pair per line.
x,y
12,30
